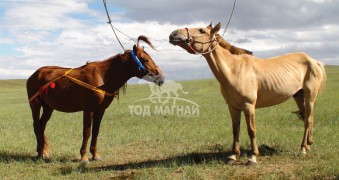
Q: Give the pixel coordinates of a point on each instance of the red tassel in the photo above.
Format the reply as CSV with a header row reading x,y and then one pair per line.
x,y
53,85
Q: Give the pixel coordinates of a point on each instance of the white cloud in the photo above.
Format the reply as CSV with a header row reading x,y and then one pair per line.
x,y
70,33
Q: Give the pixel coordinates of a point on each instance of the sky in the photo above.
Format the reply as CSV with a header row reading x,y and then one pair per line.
x,y
35,33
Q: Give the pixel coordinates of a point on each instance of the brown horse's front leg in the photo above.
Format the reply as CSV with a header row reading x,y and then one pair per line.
x,y
249,112
97,117
87,123
236,116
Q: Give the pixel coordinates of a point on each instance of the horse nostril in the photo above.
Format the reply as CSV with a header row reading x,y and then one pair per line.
x,y
174,33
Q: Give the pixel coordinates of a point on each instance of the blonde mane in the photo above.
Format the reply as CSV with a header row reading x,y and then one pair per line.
x,y
232,49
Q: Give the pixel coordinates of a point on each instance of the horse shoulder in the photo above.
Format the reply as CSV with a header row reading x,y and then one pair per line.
x,y
243,86
91,74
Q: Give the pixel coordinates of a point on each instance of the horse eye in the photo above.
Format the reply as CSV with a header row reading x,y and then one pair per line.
x,y
202,31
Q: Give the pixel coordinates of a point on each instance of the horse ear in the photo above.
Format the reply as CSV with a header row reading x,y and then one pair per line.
x,y
135,48
210,26
138,43
216,28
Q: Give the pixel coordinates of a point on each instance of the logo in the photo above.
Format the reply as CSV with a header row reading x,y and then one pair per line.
x,y
166,100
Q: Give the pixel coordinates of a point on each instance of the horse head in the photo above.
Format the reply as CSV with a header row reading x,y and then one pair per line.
x,y
196,40
144,66
203,40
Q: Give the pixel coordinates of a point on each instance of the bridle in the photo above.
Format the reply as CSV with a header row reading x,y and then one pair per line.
x,y
142,68
190,40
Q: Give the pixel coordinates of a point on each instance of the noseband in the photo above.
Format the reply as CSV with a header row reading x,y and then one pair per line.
x,y
189,44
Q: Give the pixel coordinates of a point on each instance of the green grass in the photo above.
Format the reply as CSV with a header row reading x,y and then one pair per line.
x,y
170,147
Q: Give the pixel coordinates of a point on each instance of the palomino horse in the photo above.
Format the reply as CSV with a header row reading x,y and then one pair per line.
x,y
90,88
248,82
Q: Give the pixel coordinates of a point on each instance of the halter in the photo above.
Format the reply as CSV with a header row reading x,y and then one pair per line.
x,y
141,67
189,44
150,76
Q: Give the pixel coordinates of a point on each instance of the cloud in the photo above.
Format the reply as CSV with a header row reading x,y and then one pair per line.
x,y
70,33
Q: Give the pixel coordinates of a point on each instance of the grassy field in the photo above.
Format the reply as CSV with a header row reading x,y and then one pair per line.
x,y
170,146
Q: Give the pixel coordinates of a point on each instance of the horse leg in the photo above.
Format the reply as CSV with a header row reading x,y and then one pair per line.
x,y
310,97
236,116
86,133
97,117
36,118
299,99
46,115
249,112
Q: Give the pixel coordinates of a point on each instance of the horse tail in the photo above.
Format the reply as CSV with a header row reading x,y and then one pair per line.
x,y
318,71
324,77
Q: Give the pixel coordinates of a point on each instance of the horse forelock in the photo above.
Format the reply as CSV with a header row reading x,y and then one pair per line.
x,y
232,49
146,40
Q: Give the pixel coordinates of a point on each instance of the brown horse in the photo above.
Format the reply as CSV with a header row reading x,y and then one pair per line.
x,y
90,88
248,82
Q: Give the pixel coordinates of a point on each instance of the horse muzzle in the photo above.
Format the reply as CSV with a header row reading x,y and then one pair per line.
x,y
175,38
158,79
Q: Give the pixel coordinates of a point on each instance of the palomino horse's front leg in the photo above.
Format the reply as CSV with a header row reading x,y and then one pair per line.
x,y
87,123
236,116
97,117
249,111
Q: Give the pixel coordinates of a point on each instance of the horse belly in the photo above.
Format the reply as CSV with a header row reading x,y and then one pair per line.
x,y
64,102
266,98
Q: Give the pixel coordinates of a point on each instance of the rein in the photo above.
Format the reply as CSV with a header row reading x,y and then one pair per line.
x,y
189,44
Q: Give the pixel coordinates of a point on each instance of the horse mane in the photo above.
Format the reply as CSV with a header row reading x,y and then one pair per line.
x,y
232,49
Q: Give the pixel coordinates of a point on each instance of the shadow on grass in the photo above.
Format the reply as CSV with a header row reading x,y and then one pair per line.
x,y
8,157
189,159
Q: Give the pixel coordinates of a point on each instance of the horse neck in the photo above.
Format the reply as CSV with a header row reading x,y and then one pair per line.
x,y
115,73
221,62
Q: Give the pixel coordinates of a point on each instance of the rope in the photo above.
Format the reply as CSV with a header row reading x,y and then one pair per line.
x,y
81,83
229,20
114,28
110,22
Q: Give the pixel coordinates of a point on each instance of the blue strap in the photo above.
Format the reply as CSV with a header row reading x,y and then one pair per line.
x,y
136,60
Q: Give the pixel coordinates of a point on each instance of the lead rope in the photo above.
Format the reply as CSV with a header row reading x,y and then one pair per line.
x,y
110,22
229,20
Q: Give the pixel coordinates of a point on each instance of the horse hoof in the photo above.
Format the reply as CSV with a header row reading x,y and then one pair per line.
x,y
308,148
303,151
96,158
230,161
85,161
42,157
251,163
